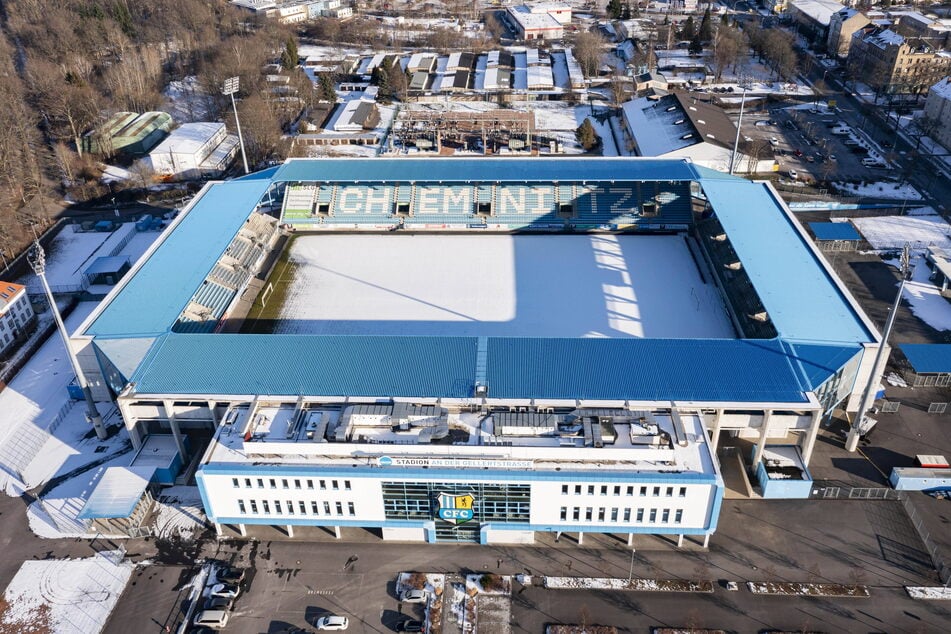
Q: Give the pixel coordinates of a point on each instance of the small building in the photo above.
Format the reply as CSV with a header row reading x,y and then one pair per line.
x,y
421,62
836,236
16,316
107,270
120,502
936,118
420,81
650,81
356,115
530,25
195,150
497,79
929,364
128,133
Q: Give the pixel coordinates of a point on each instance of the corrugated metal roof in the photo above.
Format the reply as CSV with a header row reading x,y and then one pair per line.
x,y
818,362
295,364
481,169
928,358
155,295
117,493
642,369
799,294
834,231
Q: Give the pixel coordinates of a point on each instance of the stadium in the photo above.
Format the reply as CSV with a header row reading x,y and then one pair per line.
x,y
480,350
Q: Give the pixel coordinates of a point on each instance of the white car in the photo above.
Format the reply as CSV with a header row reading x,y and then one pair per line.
x,y
332,623
793,174
414,596
228,590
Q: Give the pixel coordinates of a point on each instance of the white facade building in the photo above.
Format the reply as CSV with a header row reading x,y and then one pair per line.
x,y
195,150
16,315
938,112
534,25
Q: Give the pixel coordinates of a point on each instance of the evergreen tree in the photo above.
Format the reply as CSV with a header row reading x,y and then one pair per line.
x,y
696,46
614,9
325,88
289,55
626,13
706,27
587,136
688,30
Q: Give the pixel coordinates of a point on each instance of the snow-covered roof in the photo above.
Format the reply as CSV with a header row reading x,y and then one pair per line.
x,y
819,10
942,88
883,38
189,138
671,123
529,20
117,493
8,292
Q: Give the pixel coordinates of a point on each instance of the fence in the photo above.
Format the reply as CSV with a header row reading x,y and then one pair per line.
x,y
832,490
942,567
18,451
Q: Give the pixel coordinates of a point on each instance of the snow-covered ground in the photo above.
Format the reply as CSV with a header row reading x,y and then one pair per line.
x,y
519,291
928,593
879,189
65,596
187,101
925,298
179,513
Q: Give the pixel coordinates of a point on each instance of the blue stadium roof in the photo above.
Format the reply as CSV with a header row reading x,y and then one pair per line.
x,y
804,302
722,370
928,358
482,169
158,292
834,231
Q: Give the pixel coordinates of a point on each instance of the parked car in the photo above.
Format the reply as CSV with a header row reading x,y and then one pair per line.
x,y
414,596
793,174
798,152
212,619
229,590
409,626
230,575
832,157
219,603
332,623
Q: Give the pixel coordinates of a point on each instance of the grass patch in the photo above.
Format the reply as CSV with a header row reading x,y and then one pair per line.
x,y
266,311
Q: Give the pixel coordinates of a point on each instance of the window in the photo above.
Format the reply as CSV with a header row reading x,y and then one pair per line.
x,y
339,508
247,483
617,490
334,484
665,516
290,507
235,483
326,508
254,506
313,508
656,491
564,513
590,489
346,485
260,483
273,483
640,515
678,516
303,507
601,514
267,508
630,490
683,492
241,508
670,491
627,515
643,491
284,484
588,513
323,485
576,514
653,516
564,489
604,489
310,485
350,508
296,484
577,489
614,515
277,507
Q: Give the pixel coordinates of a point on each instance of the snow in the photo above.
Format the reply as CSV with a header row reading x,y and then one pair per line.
x,y
925,298
892,232
923,592
519,291
187,101
179,513
879,189
113,173
76,595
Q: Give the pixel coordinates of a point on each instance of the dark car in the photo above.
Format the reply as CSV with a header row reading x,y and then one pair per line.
x,y
409,626
219,603
230,575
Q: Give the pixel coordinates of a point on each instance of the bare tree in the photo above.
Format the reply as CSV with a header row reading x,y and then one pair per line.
x,y
588,48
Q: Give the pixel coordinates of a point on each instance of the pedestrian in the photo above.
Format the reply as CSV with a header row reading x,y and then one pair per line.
x,y
569,564
498,563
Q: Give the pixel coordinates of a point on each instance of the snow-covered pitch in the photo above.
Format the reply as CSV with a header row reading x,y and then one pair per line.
x,y
497,285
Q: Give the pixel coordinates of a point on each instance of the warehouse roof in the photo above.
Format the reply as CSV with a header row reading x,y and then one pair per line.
x,y
834,231
928,358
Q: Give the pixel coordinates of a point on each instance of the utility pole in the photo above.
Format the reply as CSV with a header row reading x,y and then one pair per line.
x,y
37,258
862,420
231,86
736,142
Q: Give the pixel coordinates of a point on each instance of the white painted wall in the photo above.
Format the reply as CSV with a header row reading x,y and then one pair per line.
x,y
404,534
509,537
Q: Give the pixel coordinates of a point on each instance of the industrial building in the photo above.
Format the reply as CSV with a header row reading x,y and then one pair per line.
x,y
128,133
480,350
195,150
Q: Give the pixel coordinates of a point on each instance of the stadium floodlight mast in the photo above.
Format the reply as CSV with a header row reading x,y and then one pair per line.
x,y
736,142
863,422
230,87
37,258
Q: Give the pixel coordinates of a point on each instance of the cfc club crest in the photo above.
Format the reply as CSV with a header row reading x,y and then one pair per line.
x,y
455,509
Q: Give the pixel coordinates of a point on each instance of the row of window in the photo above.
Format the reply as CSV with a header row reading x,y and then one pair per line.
x,y
286,483
643,491
621,515
288,508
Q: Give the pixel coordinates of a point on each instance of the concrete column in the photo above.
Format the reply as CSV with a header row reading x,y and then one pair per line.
x,y
337,532
131,423
715,432
630,539
680,540
170,413
811,438
706,540
135,436
580,538
761,444
218,530
243,530
290,530
214,419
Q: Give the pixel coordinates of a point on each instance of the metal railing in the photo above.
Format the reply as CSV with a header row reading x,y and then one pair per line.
x,y
942,567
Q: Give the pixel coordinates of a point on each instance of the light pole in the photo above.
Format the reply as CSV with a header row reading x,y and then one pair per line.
x,y
862,418
736,143
115,207
37,258
630,574
230,87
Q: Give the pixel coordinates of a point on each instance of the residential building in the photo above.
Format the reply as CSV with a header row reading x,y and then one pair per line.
x,y
813,17
893,64
842,24
16,316
938,112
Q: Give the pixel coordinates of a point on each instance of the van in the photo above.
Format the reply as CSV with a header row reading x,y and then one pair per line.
x,y
871,162
214,619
